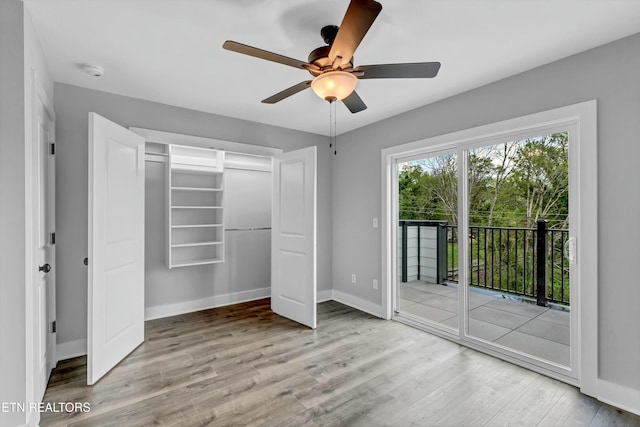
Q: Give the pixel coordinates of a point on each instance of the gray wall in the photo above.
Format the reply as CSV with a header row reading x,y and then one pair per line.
x,y
609,74
247,263
72,105
12,209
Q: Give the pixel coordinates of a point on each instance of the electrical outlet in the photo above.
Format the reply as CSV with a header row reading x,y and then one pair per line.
x,y
375,222
375,283
353,278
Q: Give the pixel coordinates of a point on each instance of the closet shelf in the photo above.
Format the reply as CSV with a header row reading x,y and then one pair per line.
x,y
195,189
187,245
195,169
196,207
196,262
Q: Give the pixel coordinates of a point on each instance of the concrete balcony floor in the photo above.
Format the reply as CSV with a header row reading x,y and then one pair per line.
x,y
520,325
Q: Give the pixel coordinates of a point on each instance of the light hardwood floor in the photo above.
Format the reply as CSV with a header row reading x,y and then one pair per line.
x,y
243,365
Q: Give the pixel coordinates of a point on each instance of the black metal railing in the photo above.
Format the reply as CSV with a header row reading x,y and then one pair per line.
x,y
507,260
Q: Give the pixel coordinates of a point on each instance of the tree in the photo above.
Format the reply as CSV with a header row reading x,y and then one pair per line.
x,y
444,186
412,193
510,184
541,173
503,155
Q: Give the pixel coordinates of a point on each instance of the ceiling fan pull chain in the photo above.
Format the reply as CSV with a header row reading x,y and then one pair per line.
x,y
332,126
335,129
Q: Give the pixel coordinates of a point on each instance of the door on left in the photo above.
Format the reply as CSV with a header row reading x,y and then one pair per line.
x,y
116,245
44,292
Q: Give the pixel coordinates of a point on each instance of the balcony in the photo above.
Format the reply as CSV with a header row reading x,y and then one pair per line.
x,y
519,289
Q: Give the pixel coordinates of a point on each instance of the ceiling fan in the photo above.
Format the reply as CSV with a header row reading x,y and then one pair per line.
x,y
335,77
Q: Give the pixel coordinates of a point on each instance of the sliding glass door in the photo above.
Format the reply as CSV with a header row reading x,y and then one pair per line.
x,y
518,281
428,201
483,245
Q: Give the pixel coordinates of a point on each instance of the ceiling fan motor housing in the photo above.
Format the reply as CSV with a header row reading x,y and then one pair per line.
x,y
329,33
320,56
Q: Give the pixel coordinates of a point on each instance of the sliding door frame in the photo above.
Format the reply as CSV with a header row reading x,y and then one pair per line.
x,y
580,121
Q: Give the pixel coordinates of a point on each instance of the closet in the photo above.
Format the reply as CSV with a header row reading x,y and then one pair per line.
x,y
207,223
182,223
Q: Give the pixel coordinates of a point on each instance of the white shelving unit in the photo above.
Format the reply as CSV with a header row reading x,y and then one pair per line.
x,y
195,193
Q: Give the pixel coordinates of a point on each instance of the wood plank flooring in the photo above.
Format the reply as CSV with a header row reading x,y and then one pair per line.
x,y
242,365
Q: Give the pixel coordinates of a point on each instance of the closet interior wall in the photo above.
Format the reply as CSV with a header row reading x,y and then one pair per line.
x,y
246,272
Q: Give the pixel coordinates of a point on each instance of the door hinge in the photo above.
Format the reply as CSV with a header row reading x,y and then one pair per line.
x,y
52,148
53,327
52,239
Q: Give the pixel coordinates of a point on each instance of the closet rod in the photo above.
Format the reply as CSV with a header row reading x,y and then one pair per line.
x,y
256,169
247,229
155,153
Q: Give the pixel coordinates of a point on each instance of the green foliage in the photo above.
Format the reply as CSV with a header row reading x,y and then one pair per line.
x,y
510,185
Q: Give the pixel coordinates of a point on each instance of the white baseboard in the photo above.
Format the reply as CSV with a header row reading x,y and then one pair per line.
x,y
167,310
71,349
357,303
33,419
326,295
619,396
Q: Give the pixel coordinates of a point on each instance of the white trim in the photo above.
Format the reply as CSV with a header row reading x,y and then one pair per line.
x,y
587,247
161,137
582,118
71,349
30,205
389,206
323,296
619,396
166,310
357,303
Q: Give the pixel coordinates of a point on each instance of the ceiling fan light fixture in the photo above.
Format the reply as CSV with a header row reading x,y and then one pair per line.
x,y
334,85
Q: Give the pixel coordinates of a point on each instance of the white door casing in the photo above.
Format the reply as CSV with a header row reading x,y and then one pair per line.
x,y
293,241
44,338
580,121
116,245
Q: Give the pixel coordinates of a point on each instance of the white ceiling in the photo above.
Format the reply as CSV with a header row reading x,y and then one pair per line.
x,y
170,51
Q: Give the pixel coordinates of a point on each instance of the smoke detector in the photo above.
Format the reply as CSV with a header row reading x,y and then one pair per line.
x,y
93,70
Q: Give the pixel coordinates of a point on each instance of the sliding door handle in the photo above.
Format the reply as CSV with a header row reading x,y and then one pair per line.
x,y
570,249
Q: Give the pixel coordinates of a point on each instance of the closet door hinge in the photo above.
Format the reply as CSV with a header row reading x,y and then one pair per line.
x,y
52,148
52,238
53,327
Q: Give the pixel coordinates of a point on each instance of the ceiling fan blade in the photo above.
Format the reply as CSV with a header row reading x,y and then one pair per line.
x,y
287,92
418,70
269,56
354,103
355,24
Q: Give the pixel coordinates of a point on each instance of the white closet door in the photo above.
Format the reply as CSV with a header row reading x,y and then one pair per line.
x,y
293,253
116,245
